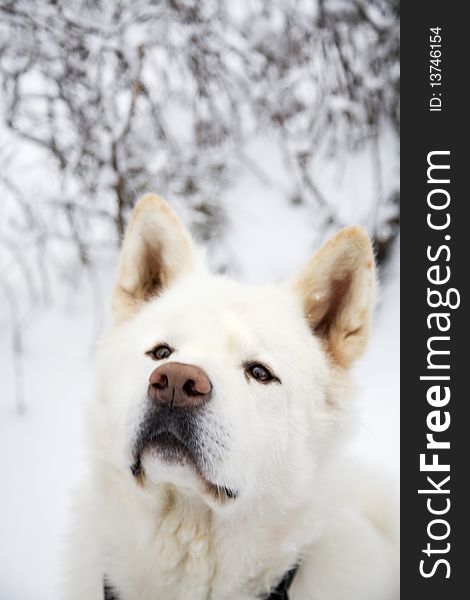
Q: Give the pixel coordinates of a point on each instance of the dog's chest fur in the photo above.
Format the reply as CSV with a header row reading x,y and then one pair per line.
x,y
158,551
175,549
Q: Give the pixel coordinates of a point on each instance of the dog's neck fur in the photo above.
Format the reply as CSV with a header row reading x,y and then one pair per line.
x,y
174,546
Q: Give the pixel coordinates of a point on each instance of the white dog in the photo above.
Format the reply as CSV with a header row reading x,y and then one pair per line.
x,y
214,433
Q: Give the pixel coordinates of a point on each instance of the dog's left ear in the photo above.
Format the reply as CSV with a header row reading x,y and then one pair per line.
x,y
337,292
157,250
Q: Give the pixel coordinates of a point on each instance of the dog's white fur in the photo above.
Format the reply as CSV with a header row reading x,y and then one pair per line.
x,y
168,537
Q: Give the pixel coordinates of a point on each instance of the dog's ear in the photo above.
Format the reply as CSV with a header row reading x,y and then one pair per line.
x,y
157,249
337,291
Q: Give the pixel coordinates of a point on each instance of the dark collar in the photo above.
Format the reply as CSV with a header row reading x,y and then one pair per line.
x,y
109,592
279,593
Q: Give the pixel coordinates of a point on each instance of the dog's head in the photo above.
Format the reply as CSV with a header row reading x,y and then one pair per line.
x,y
224,390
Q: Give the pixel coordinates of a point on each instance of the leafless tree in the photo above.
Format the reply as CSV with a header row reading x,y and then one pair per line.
x,y
128,96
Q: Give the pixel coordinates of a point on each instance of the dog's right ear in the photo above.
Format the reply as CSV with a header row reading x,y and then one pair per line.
x,y
157,249
336,288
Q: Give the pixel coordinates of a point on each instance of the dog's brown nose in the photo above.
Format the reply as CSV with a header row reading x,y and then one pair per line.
x,y
178,385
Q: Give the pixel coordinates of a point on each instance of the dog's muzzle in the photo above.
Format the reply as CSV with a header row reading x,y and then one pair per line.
x,y
177,394
176,425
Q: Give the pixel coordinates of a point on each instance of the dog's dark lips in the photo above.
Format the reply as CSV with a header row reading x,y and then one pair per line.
x,y
220,492
173,450
167,445
170,447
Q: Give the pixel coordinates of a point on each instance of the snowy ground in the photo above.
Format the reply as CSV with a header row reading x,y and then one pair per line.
x,y
41,452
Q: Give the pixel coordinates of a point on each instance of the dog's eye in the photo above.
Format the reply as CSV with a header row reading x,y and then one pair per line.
x,y
260,373
161,352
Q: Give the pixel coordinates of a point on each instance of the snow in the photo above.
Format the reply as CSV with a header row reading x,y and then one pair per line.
x,y
42,452
378,378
